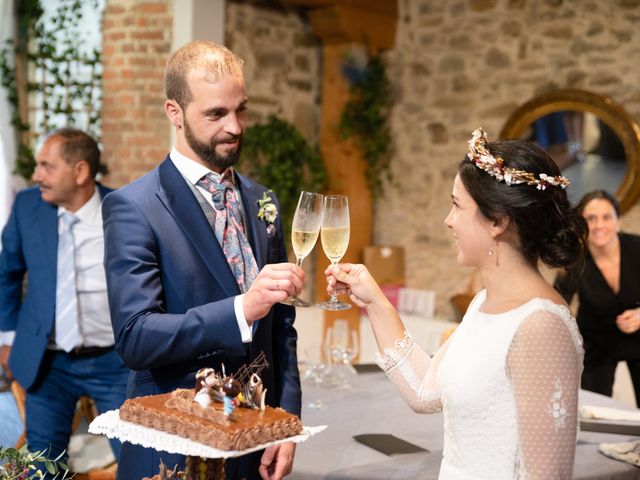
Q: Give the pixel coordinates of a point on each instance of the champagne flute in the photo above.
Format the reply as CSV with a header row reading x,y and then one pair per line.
x,y
334,236
304,233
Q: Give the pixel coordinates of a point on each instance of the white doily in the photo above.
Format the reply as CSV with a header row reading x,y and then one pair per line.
x,y
110,424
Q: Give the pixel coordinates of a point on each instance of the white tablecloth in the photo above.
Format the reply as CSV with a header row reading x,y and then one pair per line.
x,y
426,331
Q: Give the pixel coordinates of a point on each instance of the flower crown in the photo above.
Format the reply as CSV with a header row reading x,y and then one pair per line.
x,y
482,159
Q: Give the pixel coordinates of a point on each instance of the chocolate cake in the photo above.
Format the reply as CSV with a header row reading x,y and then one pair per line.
x,y
177,412
223,412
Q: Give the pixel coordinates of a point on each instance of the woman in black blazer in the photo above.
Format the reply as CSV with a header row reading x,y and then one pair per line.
x,y
608,289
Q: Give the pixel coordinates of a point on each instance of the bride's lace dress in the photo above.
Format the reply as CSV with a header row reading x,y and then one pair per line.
x,y
508,386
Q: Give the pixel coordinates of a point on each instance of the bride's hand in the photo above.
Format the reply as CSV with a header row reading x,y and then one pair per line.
x,y
355,281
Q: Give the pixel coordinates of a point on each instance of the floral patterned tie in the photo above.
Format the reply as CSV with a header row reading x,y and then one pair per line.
x,y
229,228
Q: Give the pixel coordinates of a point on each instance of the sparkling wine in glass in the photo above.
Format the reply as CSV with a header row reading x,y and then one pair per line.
x,y
334,236
304,232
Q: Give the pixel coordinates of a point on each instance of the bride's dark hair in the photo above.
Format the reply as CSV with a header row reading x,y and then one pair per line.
x,y
548,228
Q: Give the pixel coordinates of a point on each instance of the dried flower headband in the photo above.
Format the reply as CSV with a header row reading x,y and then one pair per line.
x,y
482,159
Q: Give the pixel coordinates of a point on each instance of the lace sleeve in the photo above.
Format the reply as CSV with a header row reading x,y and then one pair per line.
x,y
413,373
544,364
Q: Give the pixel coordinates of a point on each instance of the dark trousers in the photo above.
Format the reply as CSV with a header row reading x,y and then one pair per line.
x,y
51,403
599,378
137,462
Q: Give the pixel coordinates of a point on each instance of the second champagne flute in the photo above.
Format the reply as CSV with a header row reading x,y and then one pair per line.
x,y
334,236
304,232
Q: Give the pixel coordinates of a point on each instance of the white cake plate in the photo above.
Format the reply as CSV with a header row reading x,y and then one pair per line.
x,y
110,424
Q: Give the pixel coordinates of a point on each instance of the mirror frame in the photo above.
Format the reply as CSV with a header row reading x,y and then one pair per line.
x,y
602,106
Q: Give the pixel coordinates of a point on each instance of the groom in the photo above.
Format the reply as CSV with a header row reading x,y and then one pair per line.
x,y
194,268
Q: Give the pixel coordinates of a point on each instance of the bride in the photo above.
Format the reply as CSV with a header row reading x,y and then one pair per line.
x,y
507,380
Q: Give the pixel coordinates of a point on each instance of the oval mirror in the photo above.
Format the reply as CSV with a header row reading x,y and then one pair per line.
x,y
594,141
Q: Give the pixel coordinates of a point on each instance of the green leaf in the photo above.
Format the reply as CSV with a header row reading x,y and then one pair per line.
x,y
48,49
365,119
49,465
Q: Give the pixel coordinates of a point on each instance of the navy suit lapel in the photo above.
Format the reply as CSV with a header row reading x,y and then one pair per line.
x,y
178,199
44,224
255,227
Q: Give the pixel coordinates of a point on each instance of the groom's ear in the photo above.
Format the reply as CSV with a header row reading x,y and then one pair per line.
x,y
174,113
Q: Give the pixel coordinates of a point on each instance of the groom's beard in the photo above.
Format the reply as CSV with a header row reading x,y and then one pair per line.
x,y
207,151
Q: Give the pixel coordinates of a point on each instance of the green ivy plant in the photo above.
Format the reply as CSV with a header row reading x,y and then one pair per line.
x,y
365,117
19,464
65,79
277,155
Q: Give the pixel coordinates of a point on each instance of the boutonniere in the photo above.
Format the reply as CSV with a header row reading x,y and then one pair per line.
x,y
268,212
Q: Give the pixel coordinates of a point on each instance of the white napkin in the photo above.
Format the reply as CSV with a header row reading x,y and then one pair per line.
x,y
624,451
607,413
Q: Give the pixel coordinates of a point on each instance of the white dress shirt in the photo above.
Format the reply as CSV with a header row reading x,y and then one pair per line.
x,y
91,282
93,307
193,171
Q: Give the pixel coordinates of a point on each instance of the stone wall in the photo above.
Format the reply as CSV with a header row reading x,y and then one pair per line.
x,y
282,64
462,64
136,44
282,71
456,65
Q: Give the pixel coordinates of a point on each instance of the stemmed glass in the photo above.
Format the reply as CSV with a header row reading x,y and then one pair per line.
x,y
343,347
304,233
316,370
334,236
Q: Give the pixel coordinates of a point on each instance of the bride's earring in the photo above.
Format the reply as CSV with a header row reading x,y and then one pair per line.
x,y
493,251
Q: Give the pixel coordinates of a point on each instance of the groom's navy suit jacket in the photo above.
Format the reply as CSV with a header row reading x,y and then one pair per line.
x,y
171,295
30,247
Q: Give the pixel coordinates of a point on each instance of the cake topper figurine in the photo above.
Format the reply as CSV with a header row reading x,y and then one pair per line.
x,y
231,389
208,387
254,392
213,387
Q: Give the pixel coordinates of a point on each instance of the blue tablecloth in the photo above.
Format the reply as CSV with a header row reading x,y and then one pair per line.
x,y
373,406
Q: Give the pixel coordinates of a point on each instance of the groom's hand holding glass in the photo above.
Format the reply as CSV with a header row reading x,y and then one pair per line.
x,y
275,283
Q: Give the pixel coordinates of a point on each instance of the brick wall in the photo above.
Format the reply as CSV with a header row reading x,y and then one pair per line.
x,y
136,44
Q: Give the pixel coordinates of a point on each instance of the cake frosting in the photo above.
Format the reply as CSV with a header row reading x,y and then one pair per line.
x,y
177,412
223,412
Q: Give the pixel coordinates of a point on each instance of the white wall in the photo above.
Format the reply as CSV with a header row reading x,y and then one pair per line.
x,y
9,184
88,36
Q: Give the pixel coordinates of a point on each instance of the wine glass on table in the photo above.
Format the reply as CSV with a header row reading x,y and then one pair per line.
x,y
317,370
343,347
304,233
334,236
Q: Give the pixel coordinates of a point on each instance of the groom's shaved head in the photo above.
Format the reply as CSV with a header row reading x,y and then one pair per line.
x,y
209,59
